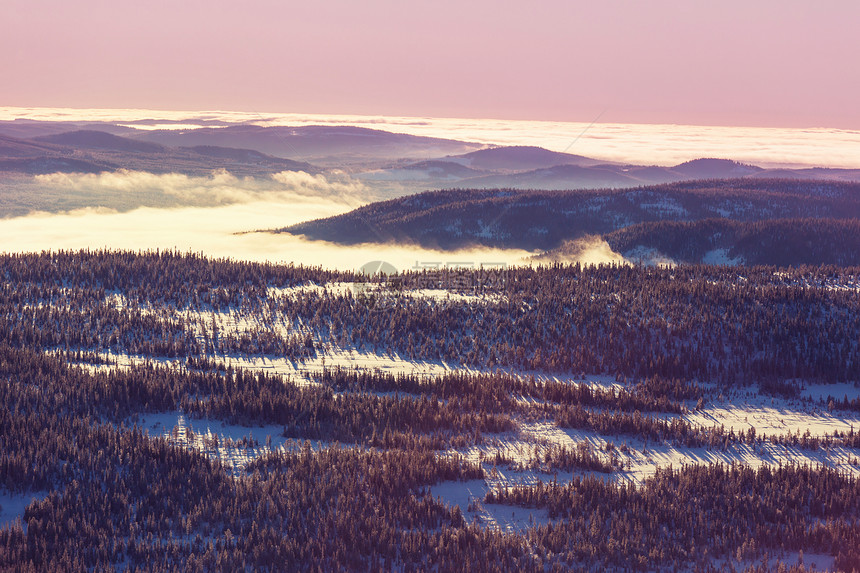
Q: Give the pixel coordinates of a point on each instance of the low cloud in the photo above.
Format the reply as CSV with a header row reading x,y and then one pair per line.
x,y
219,232
590,250
124,191
129,189
133,210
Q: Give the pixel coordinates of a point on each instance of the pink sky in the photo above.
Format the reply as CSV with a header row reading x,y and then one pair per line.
x,y
736,62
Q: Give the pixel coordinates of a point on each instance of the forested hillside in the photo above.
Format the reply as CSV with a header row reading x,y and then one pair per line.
x,y
782,242
604,404
542,220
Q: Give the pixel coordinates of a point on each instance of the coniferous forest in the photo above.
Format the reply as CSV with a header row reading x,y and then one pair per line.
x,y
640,418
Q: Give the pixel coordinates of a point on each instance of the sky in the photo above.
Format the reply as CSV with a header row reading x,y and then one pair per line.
x,y
786,63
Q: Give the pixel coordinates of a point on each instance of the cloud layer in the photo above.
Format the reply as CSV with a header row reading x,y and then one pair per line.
x,y
219,188
128,190
213,231
590,250
213,215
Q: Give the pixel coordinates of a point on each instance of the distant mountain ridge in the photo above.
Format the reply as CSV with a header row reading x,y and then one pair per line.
x,y
517,158
393,163
91,139
318,144
430,170
712,168
244,149
558,177
525,168
89,151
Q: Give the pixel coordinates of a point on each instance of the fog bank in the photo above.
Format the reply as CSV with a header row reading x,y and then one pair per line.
x,y
222,232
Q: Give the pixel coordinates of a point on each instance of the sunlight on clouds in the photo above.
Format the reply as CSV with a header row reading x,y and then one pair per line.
x,y
588,250
215,216
213,231
221,187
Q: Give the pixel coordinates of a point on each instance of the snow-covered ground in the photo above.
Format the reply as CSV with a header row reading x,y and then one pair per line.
x,y
469,497
12,505
738,412
721,257
235,446
331,356
812,562
838,391
774,419
635,459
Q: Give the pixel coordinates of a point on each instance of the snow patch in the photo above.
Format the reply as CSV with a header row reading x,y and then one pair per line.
x,y
721,257
235,446
469,497
648,256
12,505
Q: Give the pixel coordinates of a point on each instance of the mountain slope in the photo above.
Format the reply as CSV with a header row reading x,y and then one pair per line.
x,y
317,144
538,168
432,170
90,139
53,164
88,151
782,242
517,158
710,168
15,147
559,177
21,128
544,219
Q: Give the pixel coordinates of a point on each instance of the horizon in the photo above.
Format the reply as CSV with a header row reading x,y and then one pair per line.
x,y
82,114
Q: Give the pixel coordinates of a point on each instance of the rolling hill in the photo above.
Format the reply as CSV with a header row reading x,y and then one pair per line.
x,y
91,139
537,168
322,145
394,163
558,177
542,220
517,158
710,168
781,242
432,170
88,151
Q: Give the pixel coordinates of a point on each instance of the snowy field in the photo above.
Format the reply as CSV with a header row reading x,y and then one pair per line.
x,y
12,505
233,445
739,412
634,459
